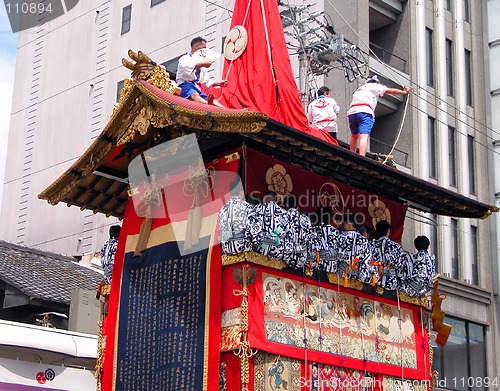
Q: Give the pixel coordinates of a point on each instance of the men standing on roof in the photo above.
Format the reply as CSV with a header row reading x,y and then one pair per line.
x,y
322,112
192,72
361,113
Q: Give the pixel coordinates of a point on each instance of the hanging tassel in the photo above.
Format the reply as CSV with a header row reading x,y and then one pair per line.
x,y
354,263
144,234
198,182
380,270
193,228
196,225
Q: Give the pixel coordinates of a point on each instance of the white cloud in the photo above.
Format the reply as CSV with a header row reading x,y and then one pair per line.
x,y
7,65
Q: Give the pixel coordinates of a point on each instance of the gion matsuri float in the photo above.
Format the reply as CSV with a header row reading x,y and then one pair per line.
x,y
284,302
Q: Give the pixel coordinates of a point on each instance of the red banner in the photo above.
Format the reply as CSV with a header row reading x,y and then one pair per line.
x,y
261,79
126,319
314,191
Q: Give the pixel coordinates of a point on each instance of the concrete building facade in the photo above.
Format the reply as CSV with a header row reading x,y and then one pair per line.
x,y
69,72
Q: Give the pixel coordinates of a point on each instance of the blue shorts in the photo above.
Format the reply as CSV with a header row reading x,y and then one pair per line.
x,y
188,88
361,123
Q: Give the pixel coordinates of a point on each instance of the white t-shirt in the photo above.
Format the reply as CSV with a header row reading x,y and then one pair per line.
x,y
186,71
365,98
322,113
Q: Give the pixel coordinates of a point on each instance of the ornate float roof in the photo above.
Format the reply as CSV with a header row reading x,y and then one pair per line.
x,y
147,115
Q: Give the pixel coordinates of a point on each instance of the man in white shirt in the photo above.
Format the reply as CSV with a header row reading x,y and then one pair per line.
x,y
192,72
361,113
322,112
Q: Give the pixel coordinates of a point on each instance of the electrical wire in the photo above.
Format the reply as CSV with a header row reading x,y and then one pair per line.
x,y
395,76
209,38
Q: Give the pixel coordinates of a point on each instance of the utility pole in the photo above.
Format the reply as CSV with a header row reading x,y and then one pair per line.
x,y
319,47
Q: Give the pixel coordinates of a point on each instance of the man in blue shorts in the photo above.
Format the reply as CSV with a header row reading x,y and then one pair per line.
x,y
361,113
191,73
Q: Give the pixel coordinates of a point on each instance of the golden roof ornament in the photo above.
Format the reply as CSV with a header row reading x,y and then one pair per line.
x,y
146,69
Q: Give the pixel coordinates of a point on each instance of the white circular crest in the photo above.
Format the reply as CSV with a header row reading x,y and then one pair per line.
x,y
235,43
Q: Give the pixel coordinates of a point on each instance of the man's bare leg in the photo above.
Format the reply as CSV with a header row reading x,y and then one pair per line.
x,y
363,144
197,98
218,104
354,142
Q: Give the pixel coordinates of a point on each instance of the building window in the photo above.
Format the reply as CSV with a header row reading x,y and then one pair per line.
x,y
472,161
466,11
155,2
119,87
449,67
468,77
126,17
454,249
171,66
222,45
447,5
475,257
433,250
463,359
432,147
452,156
430,57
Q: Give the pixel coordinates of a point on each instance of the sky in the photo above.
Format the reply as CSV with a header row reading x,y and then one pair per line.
x,y
8,50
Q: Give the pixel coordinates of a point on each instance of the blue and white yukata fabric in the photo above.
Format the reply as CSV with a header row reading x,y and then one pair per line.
x,y
233,221
327,242
355,256
108,252
267,227
391,255
302,235
420,268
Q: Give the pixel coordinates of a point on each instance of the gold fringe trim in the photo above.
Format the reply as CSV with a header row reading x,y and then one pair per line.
x,y
336,279
252,257
99,365
420,301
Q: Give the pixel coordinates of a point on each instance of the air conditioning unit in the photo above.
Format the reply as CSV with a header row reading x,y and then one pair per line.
x,y
467,280
447,275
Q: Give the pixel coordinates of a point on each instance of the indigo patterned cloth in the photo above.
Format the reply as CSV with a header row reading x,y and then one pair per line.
x,y
108,258
391,255
233,221
302,236
288,235
328,244
355,256
420,269
268,230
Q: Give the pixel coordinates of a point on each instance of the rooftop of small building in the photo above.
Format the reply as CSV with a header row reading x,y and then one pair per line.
x,y
44,275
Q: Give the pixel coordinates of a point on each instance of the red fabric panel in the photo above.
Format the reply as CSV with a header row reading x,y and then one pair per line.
x,y
251,81
114,297
229,285
257,337
131,226
233,370
263,174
